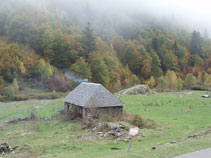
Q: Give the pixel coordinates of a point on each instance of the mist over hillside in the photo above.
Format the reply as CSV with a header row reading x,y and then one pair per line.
x,y
192,15
108,14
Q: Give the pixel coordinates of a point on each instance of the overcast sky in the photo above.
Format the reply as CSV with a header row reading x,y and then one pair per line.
x,y
194,13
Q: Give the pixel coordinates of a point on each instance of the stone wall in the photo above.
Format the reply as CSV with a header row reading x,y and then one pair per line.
x,y
94,111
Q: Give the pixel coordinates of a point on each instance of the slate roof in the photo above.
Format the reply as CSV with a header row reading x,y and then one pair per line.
x,y
92,95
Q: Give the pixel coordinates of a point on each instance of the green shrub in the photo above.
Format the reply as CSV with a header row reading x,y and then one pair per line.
x,y
200,87
138,121
8,93
190,81
21,97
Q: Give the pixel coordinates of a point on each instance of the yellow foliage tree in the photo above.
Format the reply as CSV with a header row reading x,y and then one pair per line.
x,y
15,85
207,79
151,82
171,79
22,68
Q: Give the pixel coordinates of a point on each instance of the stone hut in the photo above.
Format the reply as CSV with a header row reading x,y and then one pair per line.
x,y
92,98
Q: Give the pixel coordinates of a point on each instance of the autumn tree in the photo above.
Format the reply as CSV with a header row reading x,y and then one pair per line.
x,y
118,44
170,62
196,60
146,68
98,69
44,70
190,80
161,84
62,50
171,79
179,84
81,68
151,82
131,57
15,85
127,78
207,79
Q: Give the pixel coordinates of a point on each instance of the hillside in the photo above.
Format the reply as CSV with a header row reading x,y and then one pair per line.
x,y
47,135
37,45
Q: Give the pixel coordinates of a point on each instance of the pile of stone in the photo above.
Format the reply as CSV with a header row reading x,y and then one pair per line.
x,y
114,130
5,148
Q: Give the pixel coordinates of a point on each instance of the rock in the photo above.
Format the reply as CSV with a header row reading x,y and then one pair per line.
x,y
126,140
138,89
118,134
173,142
106,135
111,133
100,133
86,130
205,96
117,131
36,107
113,126
94,129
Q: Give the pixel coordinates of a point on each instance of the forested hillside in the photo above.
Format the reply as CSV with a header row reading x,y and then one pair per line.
x,y
37,46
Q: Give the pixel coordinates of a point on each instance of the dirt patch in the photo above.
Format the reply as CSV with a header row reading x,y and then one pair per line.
x,y
24,155
32,117
199,134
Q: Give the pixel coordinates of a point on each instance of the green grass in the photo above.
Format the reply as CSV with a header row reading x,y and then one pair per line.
x,y
37,93
177,116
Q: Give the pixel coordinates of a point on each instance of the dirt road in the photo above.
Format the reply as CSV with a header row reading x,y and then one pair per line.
x,y
204,153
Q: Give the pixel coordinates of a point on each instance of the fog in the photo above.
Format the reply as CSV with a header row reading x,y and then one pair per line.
x,y
192,14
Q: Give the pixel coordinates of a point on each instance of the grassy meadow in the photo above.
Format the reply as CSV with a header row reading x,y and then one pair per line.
x,y
178,115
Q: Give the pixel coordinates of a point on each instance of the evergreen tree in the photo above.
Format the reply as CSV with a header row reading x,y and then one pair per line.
x,y
196,44
175,46
156,66
155,44
89,43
